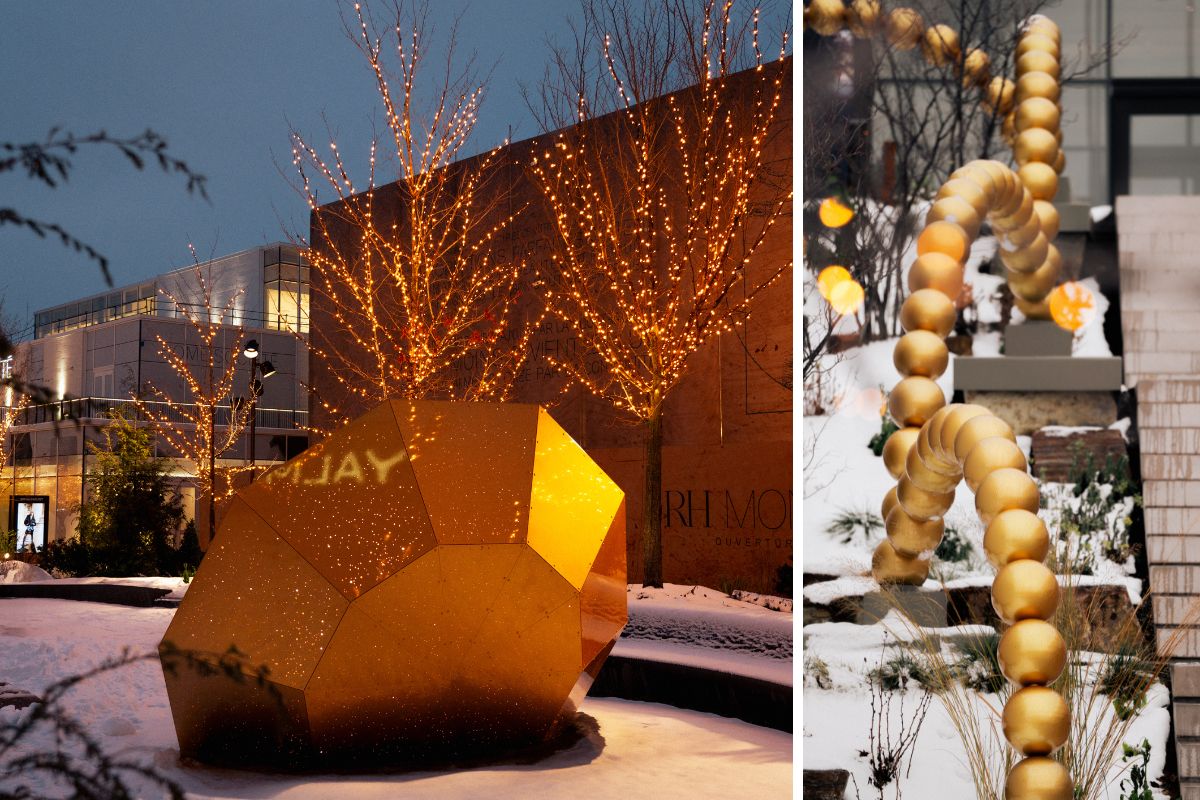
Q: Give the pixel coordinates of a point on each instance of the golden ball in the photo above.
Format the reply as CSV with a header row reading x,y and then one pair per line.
x,y
914,400
1032,651
1028,258
929,310
921,353
1024,235
999,95
1039,61
1040,179
888,566
862,17
1019,215
958,211
1008,128
1040,23
920,504
1047,216
1036,285
925,478
1035,144
913,537
1014,535
951,425
976,68
904,28
926,453
1039,778
974,171
890,501
940,45
936,271
1024,589
975,430
895,450
1037,112
944,237
1036,42
825,16
1037,84
1003,489
968,190
1036,721
1033,310
1060,162
990,455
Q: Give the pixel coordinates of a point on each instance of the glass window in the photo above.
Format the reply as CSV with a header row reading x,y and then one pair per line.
x,y
1157,39
1164,154
287,302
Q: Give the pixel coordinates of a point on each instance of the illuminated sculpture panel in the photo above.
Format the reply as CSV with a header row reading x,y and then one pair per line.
x,y
434,580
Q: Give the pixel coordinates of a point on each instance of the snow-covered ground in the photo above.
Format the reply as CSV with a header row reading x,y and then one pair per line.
x,y
640,750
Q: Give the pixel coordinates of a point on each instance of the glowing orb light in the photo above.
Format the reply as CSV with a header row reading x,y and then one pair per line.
x,y
1072,306
834,213
831,277
846,297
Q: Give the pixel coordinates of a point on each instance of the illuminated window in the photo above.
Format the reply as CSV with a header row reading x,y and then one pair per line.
x,y
286,290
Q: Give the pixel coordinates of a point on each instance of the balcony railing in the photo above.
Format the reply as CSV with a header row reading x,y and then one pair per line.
x,y
84,408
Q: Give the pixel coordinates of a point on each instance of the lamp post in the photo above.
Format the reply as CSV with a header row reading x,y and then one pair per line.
x,y
266,370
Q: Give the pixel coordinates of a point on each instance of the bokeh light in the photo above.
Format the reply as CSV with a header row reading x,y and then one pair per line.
x,y
831,277
834,213
846,297
1072,305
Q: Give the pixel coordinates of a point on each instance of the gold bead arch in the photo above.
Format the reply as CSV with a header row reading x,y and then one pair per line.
x,y
939,445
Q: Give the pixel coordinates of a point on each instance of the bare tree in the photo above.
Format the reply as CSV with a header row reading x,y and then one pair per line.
x,y
661,199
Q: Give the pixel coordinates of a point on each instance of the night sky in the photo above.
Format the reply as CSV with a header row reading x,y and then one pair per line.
x,y
221,80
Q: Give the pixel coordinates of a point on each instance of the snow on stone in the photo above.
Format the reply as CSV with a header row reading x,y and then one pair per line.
x,y
13,571
703,617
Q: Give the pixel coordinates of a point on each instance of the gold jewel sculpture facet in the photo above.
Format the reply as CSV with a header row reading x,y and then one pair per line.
x,y
433,580
937,443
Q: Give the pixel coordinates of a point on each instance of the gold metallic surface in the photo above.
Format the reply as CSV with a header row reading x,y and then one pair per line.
x,y
914,400
990,455
1040,179
895,450
921,353
999,95
939,45
976,68
1024,589
1035,144
958,211
936,271
924,478
1039,61
1039,309
1013,535
944,237
862,17
968,190
1022,236
1037,112
1003,489
1048,216
1036,720
951,424
928,310
1019,215
975,430
921,504
1037,84
913,537
890,501
396,647
1034,286
1039,778
825,16
1032,652
904,28
1060,162
1028,258
925,449
888,566
1037,42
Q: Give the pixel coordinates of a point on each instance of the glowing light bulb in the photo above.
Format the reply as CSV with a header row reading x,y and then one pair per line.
x,y
831,277
846,297
834,213
1072,305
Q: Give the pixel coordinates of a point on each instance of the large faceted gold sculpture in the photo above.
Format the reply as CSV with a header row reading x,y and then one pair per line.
x,y
434,580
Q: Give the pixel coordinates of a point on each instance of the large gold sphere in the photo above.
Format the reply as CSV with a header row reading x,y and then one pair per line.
x,y
921,504
968,190
1015,535
1041,24
1032,651
1060,162
1037,84
862,17
1008,128
1047,216
921,353
914,400
976,68
1039,61
975,430
951,425
888,566
1037,112
1036,720
895,450
925,478
1034,286
1032,310
1037,42
825,16
1035,144
928,310
990,455
1003,489
1039,778
925,450
940,45
958,211
946,238
1024,589
999,95
936,271
1040,179
1028,258
1019,215
984,178
904,27
913,537
1024,235
890,501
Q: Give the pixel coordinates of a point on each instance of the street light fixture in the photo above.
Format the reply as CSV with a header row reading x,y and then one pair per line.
x,y
266,369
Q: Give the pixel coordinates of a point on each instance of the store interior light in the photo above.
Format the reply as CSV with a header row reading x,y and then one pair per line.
x,y
250,350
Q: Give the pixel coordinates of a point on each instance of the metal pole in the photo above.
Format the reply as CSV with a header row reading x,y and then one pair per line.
x,y
253,410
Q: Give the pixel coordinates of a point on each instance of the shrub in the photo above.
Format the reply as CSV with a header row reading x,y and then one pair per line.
x,y
850,526
895,673
783,579
69,557
886,429
1136,785
954,547
1094,515
1125,681
979,665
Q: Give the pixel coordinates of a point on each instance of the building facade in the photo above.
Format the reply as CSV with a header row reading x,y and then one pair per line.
x,y
101,352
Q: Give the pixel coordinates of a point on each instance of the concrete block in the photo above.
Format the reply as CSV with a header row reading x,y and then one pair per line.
x,y
1182,494
1172,549
1185,680
1169,415
1174,579
1170,440
1037,338
1176,610
927,609
1172,521
1038,374
1181,643
1169,391
1159,466
1028,412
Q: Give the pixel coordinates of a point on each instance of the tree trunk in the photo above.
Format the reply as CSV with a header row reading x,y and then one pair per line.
x,y
652,551
212,475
